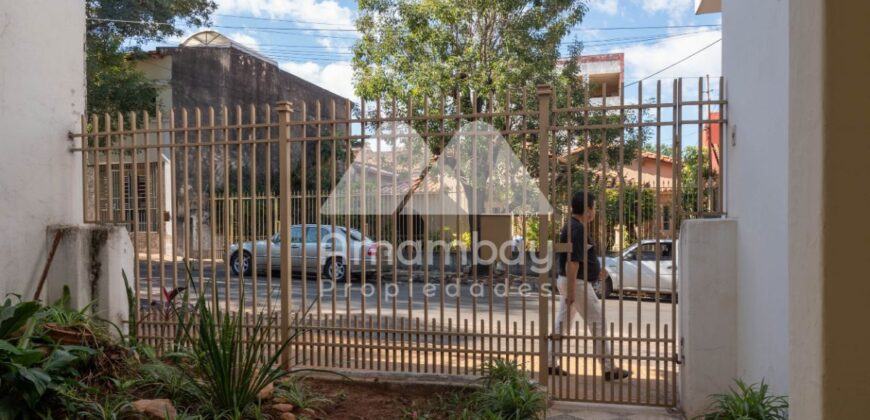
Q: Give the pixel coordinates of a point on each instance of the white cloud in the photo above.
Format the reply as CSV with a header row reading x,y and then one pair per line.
x,y
646,59
245,40
608,7
335,77
327,11
675,9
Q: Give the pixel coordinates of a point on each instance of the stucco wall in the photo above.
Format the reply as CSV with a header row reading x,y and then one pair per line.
x,y
805,210
42,96
755,65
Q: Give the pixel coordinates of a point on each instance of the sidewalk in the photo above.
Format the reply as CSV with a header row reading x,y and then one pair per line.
x,y
564,410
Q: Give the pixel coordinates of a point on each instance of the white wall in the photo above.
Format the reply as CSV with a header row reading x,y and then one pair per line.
x,y
755,64
42,96
708,298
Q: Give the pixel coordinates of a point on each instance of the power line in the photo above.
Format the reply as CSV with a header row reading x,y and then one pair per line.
x,y
622,28
344,28
285,20
631,28
674,64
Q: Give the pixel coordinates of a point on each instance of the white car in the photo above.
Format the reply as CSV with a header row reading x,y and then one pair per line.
x,y
654,260
334,261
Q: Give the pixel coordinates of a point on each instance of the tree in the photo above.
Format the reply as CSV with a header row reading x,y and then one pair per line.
x,y
689,179
433,47
472,53
115,31
666,149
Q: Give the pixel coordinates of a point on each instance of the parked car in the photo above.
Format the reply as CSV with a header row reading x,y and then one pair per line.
x,y
641,257
334,261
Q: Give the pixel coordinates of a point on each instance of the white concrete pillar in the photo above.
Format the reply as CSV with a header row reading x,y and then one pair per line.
x,y
707,285
90,260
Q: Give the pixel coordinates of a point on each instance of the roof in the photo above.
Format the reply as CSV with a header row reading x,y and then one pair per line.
x,y
210,38
645,154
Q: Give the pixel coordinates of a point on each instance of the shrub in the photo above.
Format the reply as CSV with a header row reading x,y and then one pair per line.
x,y
507,393
230,358
748,402
30,373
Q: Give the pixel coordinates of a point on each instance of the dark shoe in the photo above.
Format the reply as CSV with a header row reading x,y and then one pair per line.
x,y
616,374
557,371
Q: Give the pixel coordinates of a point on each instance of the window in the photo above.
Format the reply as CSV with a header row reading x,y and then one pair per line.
x,y
648,251
296,234
311,234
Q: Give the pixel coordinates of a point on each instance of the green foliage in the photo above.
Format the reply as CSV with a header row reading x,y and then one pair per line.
x,y
748,402
666,149
167,381
689,176
13,316
133,310
29,375
230,359
114,84
506,394
295,392
497,371
434,47
515,401
638,207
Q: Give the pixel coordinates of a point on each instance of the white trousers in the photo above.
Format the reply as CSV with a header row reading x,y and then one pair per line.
x,y
588,306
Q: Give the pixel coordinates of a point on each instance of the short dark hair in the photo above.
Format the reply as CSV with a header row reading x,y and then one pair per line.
x,y
581,201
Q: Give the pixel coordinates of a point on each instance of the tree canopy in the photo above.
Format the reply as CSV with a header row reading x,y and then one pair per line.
x,y
421,48
115,31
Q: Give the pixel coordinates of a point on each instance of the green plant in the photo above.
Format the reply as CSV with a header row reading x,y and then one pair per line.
x,y
748,402
512,400
107,409
295,392
63,314
133,335
29,374
231,358
501,371
166,381
506,394
61,318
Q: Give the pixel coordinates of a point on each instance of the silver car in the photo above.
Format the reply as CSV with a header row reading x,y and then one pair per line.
x,y
640,275
334,260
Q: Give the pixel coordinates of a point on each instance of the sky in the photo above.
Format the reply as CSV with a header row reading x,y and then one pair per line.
x,y
312,38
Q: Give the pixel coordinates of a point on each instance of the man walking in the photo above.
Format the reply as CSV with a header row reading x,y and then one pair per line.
x,y
577,271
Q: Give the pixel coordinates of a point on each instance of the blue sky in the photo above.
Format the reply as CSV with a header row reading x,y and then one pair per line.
x,y
311,38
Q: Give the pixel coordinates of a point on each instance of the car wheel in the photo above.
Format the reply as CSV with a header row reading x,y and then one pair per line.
x,y
608,289
241,265
335,269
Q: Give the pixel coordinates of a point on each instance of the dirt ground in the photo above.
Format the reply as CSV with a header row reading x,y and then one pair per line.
x,y
370,399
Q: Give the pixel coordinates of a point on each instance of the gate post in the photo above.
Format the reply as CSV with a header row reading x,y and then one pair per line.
x,y
285,109
544,92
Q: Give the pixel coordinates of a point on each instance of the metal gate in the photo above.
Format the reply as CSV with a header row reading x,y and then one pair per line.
x,y
375,253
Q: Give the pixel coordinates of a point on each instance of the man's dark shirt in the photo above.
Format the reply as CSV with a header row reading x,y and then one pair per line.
x,y
577,250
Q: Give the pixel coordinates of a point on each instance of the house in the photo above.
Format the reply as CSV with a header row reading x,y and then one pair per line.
x,y
205,70
604,73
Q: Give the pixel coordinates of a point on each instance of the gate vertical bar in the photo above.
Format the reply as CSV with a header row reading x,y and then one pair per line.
x,y
285,109
544,93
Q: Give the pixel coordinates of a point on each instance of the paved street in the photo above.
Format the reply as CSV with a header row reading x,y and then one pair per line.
x,y
403,295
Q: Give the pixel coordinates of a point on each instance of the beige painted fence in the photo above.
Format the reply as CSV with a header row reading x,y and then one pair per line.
x,y
203,188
